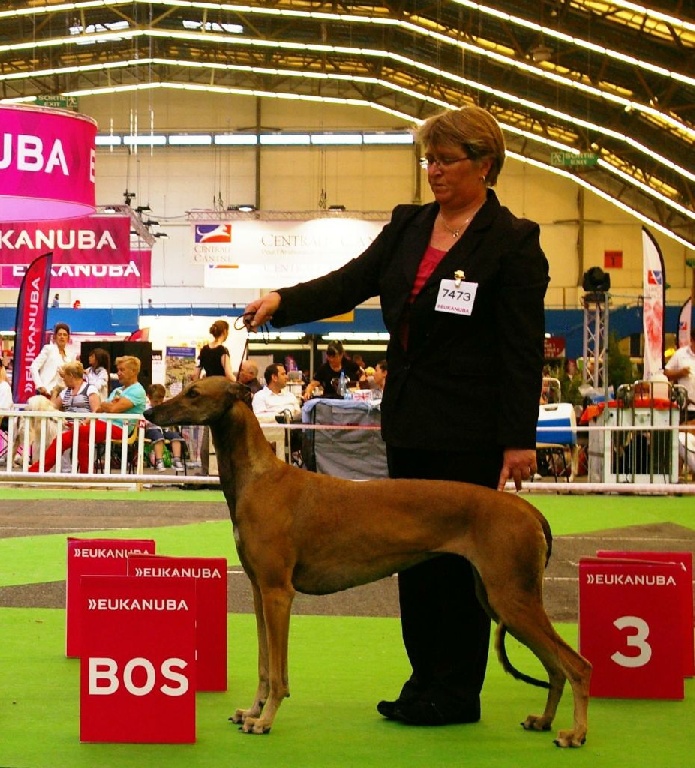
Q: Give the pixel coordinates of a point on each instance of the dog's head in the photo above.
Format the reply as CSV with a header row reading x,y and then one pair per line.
x,y
39,403
203,402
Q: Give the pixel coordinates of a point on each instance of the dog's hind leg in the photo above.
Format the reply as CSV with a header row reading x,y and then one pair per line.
x,y
531,626
262,691
276,606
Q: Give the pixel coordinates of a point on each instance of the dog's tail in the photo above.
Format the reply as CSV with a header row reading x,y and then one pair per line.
x,y
507,664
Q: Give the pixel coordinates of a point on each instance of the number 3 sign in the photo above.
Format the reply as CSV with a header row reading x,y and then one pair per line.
x,y
630,627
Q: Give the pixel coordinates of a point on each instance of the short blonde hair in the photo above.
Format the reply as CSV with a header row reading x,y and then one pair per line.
x,y
474,129
128,361
76,370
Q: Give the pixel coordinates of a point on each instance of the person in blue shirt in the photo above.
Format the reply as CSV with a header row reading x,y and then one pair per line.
x,y
129,397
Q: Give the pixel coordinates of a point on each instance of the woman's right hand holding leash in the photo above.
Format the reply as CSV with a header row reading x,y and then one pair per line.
x,y
261,311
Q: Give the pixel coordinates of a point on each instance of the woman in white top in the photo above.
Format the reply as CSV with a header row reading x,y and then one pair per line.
x,y
5,395
46,365
98,372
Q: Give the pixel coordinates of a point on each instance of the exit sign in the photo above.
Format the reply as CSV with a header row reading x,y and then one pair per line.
x,y
574,159
57,102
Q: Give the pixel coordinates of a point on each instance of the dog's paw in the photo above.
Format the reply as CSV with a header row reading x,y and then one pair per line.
x,y
536,723
570,739
255,725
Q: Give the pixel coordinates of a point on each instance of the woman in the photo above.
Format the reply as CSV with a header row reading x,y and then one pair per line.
x,y
129,397
328,374
461,282
5,396
52,357
98,372
79,396
214,360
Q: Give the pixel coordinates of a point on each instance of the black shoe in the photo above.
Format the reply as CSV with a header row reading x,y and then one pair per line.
x,y
388,709
409,692
421,712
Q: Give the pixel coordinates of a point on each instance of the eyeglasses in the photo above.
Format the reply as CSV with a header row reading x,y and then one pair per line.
x,y
441,162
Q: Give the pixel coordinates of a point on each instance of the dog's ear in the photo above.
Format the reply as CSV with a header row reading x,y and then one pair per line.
x,y
245,394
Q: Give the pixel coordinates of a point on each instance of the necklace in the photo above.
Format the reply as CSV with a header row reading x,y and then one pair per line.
x,y
456,232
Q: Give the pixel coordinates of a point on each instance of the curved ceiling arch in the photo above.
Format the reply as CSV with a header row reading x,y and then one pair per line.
x,y
608,77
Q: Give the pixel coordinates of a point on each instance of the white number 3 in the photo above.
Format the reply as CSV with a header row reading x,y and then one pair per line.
x,y
638,640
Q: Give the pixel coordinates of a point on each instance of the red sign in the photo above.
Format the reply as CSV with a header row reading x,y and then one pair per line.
x,y
554,346
137,671
210,574
630,628
91,252
613,259
103,557
685,560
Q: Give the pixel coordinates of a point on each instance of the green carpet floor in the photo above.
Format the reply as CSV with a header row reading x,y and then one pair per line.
x,y
339,668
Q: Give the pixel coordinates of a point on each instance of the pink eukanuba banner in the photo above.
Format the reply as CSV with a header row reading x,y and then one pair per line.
x,y
90,252
47,163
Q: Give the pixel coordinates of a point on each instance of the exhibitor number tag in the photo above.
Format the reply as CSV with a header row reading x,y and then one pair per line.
x,y
456,297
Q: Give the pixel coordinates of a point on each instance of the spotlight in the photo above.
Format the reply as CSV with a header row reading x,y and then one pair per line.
x,y
243,208
596,280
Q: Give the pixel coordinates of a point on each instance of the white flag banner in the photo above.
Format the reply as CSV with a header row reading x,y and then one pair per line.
x,y
684,323
653,309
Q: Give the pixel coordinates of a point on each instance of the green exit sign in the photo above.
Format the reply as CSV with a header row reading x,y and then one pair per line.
x,y
57,102
574,159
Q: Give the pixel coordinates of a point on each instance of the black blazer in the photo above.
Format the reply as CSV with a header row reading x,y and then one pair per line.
x,y
462,381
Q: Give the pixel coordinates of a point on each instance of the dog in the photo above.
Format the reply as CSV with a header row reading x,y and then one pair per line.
x,y
289,541
41,404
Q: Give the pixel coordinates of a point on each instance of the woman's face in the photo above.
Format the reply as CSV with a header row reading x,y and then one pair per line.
x,y
456,180
92,359
335,360
61,337
71,380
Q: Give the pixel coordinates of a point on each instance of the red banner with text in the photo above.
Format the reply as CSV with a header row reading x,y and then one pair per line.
x,y
91,252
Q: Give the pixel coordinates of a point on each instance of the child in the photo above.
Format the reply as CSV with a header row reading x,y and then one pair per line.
x,y
156,435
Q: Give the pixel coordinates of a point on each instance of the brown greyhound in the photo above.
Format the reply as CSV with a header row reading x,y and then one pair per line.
x,y
289,539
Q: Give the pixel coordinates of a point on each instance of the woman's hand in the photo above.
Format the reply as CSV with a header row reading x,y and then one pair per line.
x,y
518,464
261,310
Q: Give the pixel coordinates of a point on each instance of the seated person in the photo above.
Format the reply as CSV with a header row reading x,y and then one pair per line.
x,y
248,376
327,375
380,373
129,397
78,396
272,400
156,435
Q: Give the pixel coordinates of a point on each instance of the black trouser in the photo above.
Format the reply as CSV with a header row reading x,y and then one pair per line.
x,y
446,631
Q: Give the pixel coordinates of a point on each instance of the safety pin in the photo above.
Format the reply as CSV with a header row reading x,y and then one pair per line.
x,y
458,276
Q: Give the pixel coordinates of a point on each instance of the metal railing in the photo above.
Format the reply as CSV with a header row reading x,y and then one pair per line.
x,y
666,463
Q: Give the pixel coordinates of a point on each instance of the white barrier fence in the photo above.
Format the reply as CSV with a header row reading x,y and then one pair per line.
x,y
666,464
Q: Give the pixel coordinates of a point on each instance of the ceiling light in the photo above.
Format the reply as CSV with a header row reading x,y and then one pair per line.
x,y
190,140
236,139
285,139
541,53
150,140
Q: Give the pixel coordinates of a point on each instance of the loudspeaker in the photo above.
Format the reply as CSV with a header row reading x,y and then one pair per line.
x,y
140,349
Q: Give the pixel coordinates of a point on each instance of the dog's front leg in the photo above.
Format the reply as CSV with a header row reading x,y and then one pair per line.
x,y
277,604
256,708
